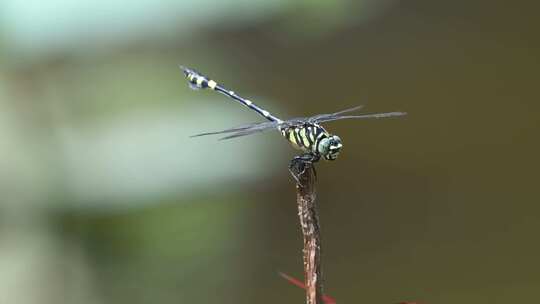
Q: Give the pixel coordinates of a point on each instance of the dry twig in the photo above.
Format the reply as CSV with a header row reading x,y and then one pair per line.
x,y
309,222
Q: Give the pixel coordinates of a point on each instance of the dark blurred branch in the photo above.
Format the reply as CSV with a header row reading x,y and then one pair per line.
x,y
309,222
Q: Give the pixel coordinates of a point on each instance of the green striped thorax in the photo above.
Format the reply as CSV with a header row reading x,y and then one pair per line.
x,y
330,147
314,139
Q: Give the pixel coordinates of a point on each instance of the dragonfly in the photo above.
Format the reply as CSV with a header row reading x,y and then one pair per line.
x,y
304,133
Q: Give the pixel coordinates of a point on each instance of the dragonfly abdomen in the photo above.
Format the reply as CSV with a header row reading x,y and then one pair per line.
x,y
198,81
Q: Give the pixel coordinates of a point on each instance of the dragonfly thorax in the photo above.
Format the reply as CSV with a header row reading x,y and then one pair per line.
x,y
314,139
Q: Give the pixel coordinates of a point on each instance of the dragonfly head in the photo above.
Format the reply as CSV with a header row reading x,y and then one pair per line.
x,y
330,147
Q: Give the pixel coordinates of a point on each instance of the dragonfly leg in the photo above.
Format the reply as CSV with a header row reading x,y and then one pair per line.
x,y
300,163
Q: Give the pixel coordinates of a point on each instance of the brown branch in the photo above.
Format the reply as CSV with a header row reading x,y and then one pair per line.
x,y
309,222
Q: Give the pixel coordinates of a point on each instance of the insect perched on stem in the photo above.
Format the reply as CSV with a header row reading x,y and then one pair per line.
x,y
304,133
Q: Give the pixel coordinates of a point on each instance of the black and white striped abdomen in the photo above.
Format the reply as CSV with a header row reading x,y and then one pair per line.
x,y
305,137
198,81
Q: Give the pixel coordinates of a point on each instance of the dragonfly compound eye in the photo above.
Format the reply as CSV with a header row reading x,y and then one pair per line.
x,y
334,147
330,147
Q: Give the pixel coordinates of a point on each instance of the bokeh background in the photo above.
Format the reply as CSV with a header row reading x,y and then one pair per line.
x,y
105,199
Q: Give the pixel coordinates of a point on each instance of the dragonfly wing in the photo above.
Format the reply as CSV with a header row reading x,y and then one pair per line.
x,y
293,122
317,118
349,110
262,127
257,129
257,126
372,115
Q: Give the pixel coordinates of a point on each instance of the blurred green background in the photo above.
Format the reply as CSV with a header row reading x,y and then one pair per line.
x,y
105,199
